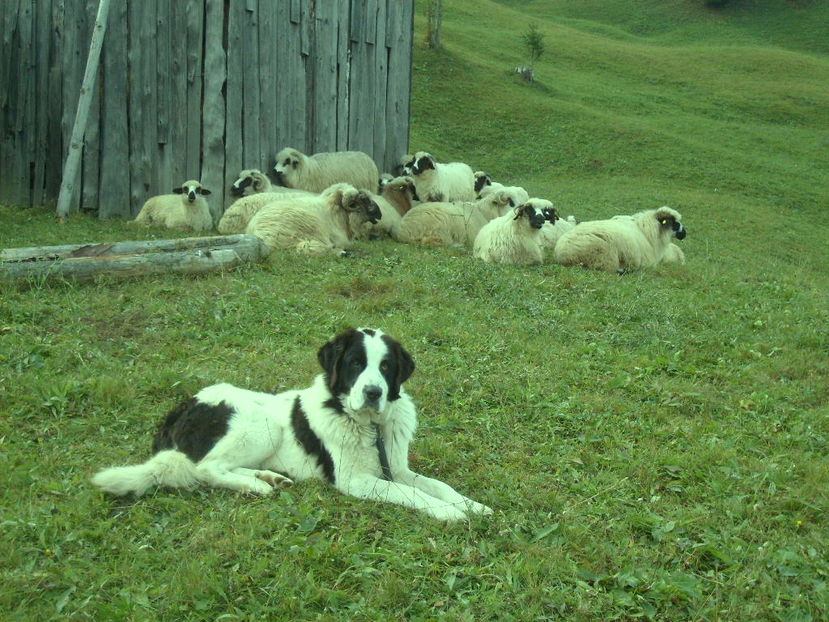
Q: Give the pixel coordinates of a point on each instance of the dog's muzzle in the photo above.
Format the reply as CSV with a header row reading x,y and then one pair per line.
x,y
371,396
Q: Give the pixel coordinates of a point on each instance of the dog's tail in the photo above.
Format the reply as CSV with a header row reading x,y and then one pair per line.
x,y
167,468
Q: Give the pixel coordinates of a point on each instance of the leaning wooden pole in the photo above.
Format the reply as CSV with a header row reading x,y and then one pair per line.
x,y
73,158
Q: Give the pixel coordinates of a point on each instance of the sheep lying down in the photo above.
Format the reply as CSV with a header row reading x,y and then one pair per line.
x,y
515,237
456,223
186,208
318,224
621,243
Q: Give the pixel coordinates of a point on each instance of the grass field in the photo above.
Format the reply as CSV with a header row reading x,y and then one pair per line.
x,y
654,445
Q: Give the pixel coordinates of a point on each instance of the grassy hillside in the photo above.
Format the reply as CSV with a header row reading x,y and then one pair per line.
x,y
654,444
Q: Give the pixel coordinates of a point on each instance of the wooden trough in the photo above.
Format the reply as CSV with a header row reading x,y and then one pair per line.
x,y
127,259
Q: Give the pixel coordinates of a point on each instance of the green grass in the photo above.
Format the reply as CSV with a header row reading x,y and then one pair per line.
x,y
655,445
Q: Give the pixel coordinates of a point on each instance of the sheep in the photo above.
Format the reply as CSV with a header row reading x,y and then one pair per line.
x,y
317,172
446,224
186,208
621,243
238,215
407,162
250,181
316,224
394,201
385,178
484,184
554,228
438,182
673,254
515,237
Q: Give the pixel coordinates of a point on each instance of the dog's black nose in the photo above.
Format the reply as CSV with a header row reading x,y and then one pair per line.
x,y
372,392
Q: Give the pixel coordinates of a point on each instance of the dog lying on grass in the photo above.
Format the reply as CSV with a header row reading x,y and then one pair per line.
x,y
351,427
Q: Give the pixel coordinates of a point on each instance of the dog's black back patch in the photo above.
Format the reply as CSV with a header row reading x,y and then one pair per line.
x,y
310,442
193,428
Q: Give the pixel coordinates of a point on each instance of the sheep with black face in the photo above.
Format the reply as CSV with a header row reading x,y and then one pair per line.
x,y
621,243
442,182
250,181
318,224
317,172
458,223
186,208
515,237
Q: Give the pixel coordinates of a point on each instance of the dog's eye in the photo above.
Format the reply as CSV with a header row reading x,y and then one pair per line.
x,y
385,366
355,364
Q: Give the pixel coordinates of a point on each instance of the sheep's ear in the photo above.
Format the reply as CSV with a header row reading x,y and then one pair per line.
x,y
518,211
204,191
179,190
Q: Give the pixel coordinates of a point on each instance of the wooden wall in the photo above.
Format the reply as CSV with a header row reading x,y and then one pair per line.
x,y
196,89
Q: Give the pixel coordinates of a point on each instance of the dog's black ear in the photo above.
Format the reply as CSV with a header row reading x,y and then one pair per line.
x,y
330,354
405,366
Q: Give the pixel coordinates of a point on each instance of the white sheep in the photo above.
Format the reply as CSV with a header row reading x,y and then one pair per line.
x,y
442,182
394,202
407,162
554,228
621,243
673,254
186,208
250,181
238,215
317,224
446,224
515,237
484,184
317,172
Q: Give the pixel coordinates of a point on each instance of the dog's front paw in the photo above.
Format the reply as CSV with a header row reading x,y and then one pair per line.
x,y
275,480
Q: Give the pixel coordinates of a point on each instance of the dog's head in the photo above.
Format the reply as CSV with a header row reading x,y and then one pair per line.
x,y
364,369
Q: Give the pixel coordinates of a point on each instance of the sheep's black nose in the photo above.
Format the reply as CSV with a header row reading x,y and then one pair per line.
x,y
191,196
680,235
372,392
235,191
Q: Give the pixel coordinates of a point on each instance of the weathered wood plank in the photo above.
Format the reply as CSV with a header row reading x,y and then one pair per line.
x,y
178,92
234,137
398,91
250,88
343,75
42,39
187,262
91,138
280,67
195,46
324,91
164,96
64,251
54,169
214,152
377,106
268,76
10,79
25,121
114,194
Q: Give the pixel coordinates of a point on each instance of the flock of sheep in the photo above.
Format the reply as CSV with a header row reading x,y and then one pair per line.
x,y
324,202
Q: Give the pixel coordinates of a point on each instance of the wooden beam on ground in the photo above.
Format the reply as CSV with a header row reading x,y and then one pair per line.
x,y
128,259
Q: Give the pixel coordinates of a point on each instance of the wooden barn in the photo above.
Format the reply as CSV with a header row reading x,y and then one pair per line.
x,y
196,89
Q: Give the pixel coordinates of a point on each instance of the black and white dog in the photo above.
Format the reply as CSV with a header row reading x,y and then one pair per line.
x,y
352,427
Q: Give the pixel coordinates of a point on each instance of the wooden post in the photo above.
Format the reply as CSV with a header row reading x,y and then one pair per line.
x,y
73,158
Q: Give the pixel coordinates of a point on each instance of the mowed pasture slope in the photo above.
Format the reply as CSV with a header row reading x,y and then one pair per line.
x,y
654,444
